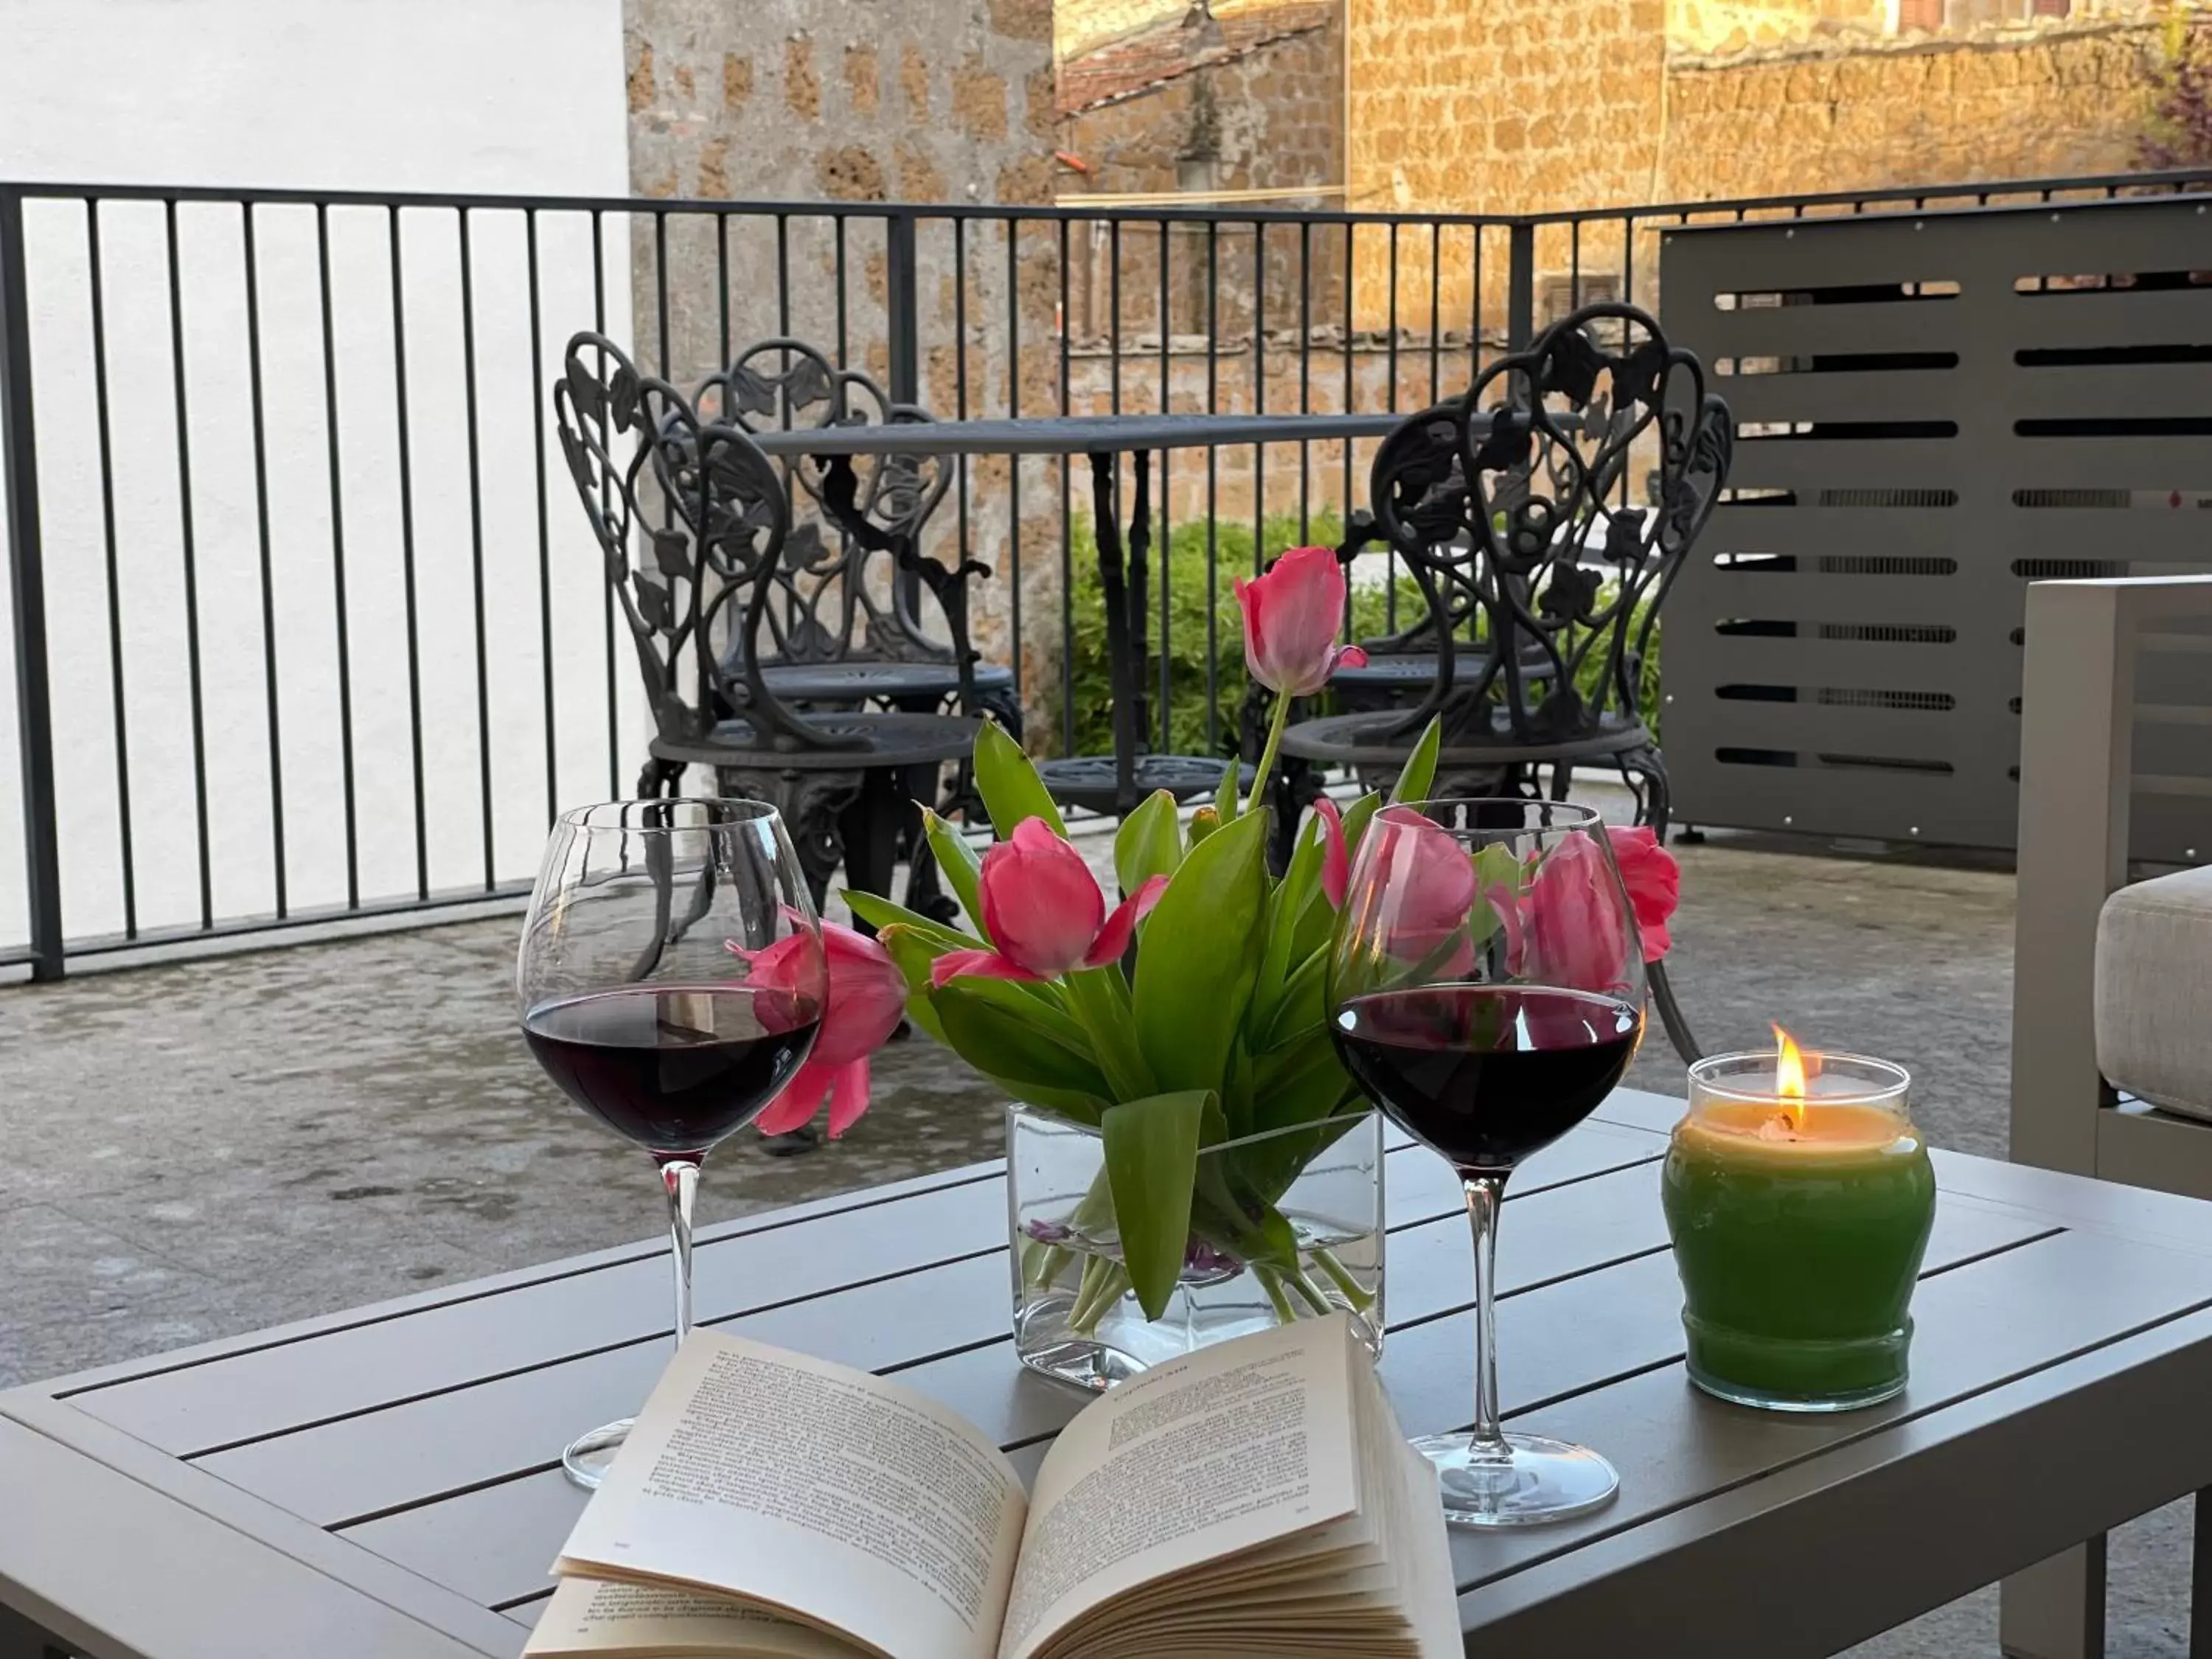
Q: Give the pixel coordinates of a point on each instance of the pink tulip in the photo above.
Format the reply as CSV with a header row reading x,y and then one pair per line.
x,y
1335,860
1291,618
1654,881
1578,932
1429,881
866,1001
1043,911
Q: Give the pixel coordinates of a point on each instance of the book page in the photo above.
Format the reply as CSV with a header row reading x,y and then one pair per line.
x,y
599,1616
814,1488
1204,1457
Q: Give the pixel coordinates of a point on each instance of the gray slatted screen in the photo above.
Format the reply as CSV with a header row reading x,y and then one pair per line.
x,y
1933,410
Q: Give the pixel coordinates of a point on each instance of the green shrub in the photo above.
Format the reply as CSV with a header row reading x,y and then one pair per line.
x,y
1186,640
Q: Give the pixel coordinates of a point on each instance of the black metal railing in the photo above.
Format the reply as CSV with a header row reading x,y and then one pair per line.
x,y
301,629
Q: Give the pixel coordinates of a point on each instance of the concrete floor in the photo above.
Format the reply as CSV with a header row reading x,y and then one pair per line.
x,y
198,1150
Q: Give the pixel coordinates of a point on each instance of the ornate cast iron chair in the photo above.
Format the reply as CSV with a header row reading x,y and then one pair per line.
x,y
1518,520
709,511
834,636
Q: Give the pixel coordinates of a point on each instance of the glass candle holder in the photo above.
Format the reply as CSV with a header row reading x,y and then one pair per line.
x,y
1799,1223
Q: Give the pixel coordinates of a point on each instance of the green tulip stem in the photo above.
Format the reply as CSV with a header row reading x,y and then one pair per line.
x,y
1041,1262
1272,1282
1357,1300
1275,724
1105,1281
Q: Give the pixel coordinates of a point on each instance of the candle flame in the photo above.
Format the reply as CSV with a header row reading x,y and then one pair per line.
x,y
1790,1076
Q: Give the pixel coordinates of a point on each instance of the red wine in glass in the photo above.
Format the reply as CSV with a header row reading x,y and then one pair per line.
x,y
1487,1074
675,1068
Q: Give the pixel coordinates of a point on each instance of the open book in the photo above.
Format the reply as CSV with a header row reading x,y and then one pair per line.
x,y
1251,1501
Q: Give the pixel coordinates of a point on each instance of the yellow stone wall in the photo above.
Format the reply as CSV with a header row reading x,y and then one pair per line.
x,y
1079,25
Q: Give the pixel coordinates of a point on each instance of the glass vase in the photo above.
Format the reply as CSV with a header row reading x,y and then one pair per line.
x,y
1076,1318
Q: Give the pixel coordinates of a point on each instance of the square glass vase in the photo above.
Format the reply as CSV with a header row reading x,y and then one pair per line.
x,y
1077,1320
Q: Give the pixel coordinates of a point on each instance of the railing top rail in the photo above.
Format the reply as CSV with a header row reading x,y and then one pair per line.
x,y
662,206
1915,193
1993,209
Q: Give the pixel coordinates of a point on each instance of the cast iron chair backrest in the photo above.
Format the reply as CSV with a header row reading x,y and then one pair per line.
x,y
877,504
715,521
1507,525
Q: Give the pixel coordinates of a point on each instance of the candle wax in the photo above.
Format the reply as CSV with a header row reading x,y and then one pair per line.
x,y
1798,1232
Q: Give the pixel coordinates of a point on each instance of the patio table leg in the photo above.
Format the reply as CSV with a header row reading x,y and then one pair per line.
x,y
21,1640
2055,1608
2200,1582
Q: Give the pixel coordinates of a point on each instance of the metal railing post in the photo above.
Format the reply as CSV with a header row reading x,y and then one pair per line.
x,y
27,582
901,307
1520,285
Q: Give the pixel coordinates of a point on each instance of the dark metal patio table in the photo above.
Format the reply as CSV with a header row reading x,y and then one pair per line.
x,y
386,1481
1097,782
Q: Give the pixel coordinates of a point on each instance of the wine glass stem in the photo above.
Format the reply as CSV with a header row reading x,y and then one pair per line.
x,y
1484,1195
681,1179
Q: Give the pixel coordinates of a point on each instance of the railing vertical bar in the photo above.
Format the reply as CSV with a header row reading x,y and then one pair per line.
x,y
783,279
407,553
1574,264
115,674
27,582
267,578
1066,529
1305,379
1013,462
544,527
1213,489
1520,285
960,369
844,345
902,304
606,589
1435,309
1259,393
476,545
190,567
1167,501
1391,360
1114,320
1475,305
660,289
338,605
722,294
1351,396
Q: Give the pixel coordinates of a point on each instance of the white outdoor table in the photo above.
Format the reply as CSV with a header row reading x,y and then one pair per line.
x,y
386,1482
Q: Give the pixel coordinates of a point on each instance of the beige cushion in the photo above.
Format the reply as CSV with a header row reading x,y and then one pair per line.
x,y
2154,991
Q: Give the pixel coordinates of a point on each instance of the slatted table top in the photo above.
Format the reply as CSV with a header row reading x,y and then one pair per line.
x,y
385,1481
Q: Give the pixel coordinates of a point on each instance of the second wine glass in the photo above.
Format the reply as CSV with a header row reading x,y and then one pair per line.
x,y
1486,990
671,980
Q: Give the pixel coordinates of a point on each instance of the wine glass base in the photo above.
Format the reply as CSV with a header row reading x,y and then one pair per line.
x,y
589,1456
1538,1481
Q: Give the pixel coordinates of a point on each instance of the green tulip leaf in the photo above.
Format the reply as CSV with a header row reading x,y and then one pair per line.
x,y
913,956
1098,997
1009,785
1224,798
962,866
880,913
1149,843
1200,955
1419,776
1286,907
1152,1159
1496,880
1004,1039
1355,820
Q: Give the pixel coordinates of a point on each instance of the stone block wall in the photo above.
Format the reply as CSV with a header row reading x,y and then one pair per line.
x,y
854,104
1267,117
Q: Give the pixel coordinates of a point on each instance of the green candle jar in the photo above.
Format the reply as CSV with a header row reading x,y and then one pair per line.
x,y
1798,1220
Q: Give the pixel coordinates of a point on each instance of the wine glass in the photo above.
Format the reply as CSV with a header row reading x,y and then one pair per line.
x,y
1486,990
672,979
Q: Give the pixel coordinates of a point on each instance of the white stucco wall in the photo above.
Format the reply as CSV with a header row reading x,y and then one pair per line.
x,y
522,96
